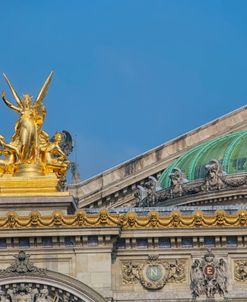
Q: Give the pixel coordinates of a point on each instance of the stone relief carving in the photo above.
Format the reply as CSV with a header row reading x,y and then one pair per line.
x,y
240,270
208,276
154,273
32,292
22,265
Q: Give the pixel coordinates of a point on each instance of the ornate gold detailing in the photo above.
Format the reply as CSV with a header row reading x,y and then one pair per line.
x,y
31,153
153,273
240,270
126,221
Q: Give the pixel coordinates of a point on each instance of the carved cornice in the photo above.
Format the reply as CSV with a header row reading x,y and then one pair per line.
x,y
129,220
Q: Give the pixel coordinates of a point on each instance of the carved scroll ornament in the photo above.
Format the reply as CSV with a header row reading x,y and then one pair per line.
x,y
154,273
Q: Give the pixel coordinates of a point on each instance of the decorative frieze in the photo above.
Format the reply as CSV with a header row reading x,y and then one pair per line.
x,y
153,273
32,292
129,220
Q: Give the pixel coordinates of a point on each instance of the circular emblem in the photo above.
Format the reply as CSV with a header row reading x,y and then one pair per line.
x,y
154,276
154,272
209,270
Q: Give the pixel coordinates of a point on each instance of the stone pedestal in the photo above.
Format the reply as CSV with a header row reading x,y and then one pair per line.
x,y
30,186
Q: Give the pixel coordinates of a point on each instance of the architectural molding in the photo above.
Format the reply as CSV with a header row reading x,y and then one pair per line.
x,y
129,220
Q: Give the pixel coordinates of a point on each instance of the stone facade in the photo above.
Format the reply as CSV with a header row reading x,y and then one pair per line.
x,y
137,262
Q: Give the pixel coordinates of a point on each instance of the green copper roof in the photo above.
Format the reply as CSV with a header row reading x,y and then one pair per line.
x,y
230,150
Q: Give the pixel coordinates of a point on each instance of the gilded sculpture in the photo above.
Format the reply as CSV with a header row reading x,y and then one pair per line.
x,y
31,152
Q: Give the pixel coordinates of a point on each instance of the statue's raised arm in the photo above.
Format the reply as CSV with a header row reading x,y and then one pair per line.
x,y
9,104
15,95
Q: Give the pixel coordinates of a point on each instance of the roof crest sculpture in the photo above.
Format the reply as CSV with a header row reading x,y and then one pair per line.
x,y
31,153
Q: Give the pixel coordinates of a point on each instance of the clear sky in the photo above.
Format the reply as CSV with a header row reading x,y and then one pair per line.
x,y
129,75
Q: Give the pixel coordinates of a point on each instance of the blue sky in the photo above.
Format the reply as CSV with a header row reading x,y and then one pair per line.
x,y
129,75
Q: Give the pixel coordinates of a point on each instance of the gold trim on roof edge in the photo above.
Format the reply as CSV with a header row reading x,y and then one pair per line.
x,y
130,220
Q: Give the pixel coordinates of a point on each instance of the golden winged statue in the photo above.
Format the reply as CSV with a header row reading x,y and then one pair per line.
x,y
31,152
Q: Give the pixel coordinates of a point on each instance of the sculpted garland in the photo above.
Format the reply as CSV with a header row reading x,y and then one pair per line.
x,y
31,152
129,220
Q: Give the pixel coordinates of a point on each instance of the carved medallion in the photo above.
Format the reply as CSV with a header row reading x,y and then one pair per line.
x,y
154,273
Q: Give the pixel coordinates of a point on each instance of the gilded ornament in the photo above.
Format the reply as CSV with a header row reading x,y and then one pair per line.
x,y
80,218
31,157
34,218
103,216
131,220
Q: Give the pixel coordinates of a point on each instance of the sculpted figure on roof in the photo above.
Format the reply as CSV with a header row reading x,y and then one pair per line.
x,y
31,151
214,174
29,125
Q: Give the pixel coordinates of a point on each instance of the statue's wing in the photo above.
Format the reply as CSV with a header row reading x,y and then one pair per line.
x,y
142,192
43,90
66,144
156,182
17,98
